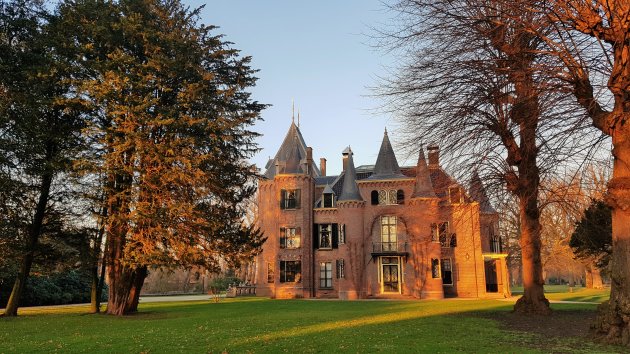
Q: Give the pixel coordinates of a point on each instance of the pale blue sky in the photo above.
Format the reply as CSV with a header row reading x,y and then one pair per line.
x,y
318,53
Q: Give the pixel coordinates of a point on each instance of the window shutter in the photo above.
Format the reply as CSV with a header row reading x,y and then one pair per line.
x,y
297,199
283,237
315,236
374,197
337,267
335,235
400,197
283,195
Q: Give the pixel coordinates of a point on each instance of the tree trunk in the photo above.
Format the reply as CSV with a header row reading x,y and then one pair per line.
x,y
95,294
597,279
589,277
614,315
33,237
533,299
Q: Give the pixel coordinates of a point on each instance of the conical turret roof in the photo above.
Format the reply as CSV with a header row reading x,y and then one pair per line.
x,y
350,190
386,164
293,160
291,141
423,187
478,193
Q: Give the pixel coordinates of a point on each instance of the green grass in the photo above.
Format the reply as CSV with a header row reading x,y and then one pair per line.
x,y
257,325
564,293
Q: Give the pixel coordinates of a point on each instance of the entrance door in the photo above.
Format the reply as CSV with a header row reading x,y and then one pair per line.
x,y
390,274
492,286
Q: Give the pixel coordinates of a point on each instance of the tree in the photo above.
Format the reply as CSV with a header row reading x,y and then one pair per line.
x,y
592,238
474,73
591,40
40,130
172,121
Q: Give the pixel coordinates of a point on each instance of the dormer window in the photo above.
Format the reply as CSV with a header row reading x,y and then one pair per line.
x,y
329,199
455,195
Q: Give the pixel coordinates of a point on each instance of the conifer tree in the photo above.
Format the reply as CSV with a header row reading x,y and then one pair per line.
x,y
172,125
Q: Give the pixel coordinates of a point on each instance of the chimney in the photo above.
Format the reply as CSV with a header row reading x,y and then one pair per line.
x,y
345,154
322,166
434,155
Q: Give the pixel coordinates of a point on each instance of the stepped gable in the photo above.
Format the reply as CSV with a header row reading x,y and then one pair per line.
x,y
386,166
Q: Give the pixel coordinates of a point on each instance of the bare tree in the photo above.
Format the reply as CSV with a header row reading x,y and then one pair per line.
x,y
591,38
473,78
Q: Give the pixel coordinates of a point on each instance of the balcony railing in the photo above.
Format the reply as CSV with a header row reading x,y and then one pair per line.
x,y
389,247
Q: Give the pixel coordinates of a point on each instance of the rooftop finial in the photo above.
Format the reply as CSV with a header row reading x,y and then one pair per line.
x,y
385,130
293,110
298,118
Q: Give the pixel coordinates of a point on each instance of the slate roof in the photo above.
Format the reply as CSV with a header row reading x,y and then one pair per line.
x,y
386,166
292,140
350,190
478,193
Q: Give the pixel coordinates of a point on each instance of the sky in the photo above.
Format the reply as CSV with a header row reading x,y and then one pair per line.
x,y
317,54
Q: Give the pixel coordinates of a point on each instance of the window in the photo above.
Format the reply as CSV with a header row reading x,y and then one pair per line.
x,y
388,233
435,268
328,200
290,237
325,275
342,234
270,273
455,194
453,240
290,199
447,272
440,233
325,236
388,197
290,271
341,269
495,244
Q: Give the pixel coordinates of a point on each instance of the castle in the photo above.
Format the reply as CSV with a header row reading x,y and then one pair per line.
x,y
376,231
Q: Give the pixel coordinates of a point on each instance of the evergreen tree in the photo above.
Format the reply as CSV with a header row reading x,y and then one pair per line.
x,y
172,126
40,129
592,238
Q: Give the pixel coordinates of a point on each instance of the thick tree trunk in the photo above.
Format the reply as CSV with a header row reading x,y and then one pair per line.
x,y
614,315
589,277
33,237
533,299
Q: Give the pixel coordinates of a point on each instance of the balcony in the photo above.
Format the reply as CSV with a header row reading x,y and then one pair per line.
x,y
389,249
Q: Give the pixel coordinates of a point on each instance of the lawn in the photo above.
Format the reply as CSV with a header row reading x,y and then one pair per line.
x,y
565,293
258,325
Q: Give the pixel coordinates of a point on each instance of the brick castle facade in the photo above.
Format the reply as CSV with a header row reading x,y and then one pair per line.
x,y
374,231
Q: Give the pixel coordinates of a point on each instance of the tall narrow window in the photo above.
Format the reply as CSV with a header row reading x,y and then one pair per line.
x,y
495,244
435,268
290,199
388,233
325,236
341,269
400,197
447,272
325,275
290,237
443,234
290,271
455,195
270,273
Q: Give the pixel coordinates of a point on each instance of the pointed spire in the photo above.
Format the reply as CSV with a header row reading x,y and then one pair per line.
x,y
423,187
386,165
293,111
298,118
349,189
293,160
478,193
